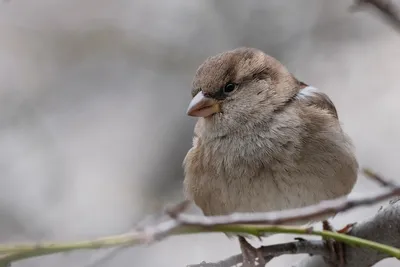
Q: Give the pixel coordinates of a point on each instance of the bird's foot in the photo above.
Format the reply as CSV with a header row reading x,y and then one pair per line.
x,y
336,248
251,256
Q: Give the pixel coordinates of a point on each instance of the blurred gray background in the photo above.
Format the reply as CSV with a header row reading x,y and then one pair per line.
x,y
93,96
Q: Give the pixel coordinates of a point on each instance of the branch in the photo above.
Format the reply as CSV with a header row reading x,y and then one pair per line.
x,y
309,213
175,222
389,11
314,247
384,227
374,229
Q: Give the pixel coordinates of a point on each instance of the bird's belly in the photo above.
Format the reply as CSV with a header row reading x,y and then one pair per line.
x,y
252,181
269,192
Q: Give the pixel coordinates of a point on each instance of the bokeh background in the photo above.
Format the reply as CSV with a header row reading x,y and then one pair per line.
x,y
93,96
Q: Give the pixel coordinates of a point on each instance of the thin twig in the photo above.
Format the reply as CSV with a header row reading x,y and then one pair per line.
x,y
389,10
378,178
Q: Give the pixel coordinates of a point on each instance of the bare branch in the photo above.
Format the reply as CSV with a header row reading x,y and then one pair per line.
x,y
389,10
384,227
324,208
374,229
174,222
378,178
314,247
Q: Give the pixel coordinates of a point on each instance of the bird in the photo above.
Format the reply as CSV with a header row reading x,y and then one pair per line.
x,y
263,141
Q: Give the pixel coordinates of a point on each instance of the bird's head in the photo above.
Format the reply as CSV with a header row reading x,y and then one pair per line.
x,y
240,87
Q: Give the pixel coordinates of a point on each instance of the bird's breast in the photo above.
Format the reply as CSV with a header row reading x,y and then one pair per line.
x,y
241,175
250,175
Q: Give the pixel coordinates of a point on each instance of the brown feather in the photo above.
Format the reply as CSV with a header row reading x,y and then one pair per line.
x,y
271,147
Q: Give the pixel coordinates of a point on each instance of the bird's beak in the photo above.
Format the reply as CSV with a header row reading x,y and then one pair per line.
x,y
202,106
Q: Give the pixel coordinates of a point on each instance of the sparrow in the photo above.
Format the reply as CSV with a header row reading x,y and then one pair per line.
x,y
264,140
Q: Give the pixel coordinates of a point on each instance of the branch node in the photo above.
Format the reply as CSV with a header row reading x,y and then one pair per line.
x,y
175,210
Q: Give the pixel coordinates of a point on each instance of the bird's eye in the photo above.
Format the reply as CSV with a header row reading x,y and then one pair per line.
x,y
229,87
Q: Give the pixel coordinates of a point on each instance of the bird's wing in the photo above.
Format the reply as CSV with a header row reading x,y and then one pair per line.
x,y
312,96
